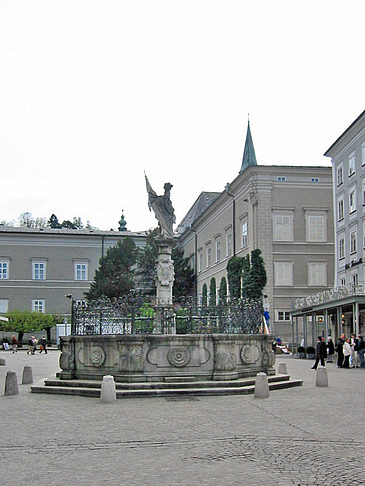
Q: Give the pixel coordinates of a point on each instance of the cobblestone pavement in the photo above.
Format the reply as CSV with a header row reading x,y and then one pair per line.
x,y
299,436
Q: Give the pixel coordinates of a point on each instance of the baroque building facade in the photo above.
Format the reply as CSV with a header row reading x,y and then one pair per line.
x,y
286,212
39,267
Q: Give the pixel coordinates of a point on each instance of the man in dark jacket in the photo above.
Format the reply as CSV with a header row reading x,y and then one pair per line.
x,y
339,349
321,352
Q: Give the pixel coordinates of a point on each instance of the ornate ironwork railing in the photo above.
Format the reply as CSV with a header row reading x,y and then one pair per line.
x,y
328,296
135,316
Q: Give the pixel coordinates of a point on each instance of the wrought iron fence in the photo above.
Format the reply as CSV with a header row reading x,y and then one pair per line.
x,y
139,316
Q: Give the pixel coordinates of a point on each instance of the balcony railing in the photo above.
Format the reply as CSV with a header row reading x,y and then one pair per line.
x,y
328,296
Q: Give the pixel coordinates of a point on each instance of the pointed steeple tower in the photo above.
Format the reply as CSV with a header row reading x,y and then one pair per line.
x,y
249,157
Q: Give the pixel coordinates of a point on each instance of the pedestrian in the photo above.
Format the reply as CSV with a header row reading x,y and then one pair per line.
x,y
339,350
330,349
361,350
347,351
321,353
30,345
43,345
34,344
14,344
354,360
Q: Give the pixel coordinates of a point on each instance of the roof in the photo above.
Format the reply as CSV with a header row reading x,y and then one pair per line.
x,y
353,124
69,232
249,157
204,200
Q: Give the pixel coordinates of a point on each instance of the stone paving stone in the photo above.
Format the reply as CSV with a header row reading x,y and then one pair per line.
x,y
299,436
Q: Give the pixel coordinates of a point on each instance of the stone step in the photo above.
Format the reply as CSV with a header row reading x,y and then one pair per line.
x,y
163,385
162,392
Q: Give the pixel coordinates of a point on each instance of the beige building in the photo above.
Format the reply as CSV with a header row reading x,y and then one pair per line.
x,y
286,212
38,267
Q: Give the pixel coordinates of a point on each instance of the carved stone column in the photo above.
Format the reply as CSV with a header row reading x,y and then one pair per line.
x,y
165,281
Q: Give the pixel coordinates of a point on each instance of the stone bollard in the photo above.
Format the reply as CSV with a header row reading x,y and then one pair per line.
x,y
27,375
282,369
108,393
2,362
321,377
261,386
11,384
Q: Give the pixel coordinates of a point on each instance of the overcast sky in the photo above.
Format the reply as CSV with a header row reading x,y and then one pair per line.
x,y
92,93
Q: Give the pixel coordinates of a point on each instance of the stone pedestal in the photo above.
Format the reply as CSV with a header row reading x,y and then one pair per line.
x,y
27,378
165,282
108,392
11,384
321,377
282,369
261,386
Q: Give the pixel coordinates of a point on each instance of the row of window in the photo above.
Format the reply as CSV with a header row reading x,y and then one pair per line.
x,y
351,165
37,305
316,226
352,202
353,241
283,230
284,274
39,270
283,179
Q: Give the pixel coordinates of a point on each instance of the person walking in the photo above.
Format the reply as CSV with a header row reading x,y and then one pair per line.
x,y
14,344
339,350
30,345
354,360
347,351
43,345
330,349
321,353
361,350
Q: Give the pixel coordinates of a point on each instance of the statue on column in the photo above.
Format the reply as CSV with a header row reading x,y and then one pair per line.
x,y
163,209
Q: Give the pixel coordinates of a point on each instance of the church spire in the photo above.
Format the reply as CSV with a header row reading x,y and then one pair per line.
x,y
249,157
122,223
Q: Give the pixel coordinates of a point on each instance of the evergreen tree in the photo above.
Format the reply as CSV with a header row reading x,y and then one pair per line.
x,y
222,292
115,275
246,276
234,273
204,295
147,259
213,292
66,223
53,222
258,273
184,274
253,275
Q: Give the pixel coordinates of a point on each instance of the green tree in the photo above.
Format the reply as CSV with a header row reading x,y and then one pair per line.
x,y
53,222
25,321
253,275
184,274
213,292
204,295
66,223
258,273
222,292
116,273
146,260
234,273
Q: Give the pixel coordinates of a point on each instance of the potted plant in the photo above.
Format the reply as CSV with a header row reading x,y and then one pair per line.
x,y
310,352
301,352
